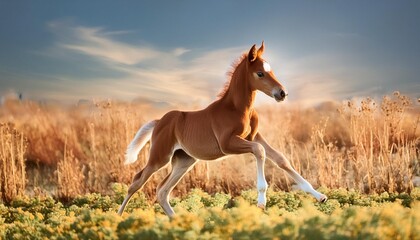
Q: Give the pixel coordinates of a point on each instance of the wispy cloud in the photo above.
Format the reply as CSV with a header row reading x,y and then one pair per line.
x,y
98,43
146,71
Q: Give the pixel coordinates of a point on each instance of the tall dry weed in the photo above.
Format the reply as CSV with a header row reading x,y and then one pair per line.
x,y
328,158
70,178
12,162
109,130
383,145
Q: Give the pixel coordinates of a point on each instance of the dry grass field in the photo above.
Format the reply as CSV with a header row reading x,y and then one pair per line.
x,y
367,145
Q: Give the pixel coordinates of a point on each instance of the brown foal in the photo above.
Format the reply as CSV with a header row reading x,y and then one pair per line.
x,y
227,126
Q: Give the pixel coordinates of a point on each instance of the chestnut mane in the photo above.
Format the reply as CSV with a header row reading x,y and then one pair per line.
x,y
229,75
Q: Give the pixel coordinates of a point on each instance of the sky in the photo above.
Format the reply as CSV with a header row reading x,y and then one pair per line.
x,y
179,51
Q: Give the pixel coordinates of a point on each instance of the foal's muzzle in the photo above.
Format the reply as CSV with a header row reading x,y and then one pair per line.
x,y
280,95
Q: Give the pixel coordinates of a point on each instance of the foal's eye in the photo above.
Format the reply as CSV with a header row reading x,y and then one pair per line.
x,y
260,74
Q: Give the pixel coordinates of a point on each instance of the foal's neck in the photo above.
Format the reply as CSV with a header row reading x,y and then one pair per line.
x,y
240,94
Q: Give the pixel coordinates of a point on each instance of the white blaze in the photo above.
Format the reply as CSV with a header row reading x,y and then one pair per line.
x,y
266,67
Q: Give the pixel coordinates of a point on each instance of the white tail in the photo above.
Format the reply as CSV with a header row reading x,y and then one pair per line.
x,y
142,137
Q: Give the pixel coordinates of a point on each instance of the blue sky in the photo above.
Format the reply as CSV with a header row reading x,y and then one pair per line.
x,y
179,51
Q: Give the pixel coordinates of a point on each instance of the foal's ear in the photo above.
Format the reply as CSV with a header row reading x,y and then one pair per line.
x,y
261,50
252,55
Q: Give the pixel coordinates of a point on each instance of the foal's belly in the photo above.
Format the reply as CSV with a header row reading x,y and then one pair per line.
x,y
201,152
201,147
197,139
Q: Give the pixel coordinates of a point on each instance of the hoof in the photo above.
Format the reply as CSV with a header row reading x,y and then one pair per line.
x,y
323,199
262,206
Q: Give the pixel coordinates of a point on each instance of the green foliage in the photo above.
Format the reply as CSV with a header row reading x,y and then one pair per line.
x,y
38,208
353,197
95,201
137,201
198,199
293,215
94,224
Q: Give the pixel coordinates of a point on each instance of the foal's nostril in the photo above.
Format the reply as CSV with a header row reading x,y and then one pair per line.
x,y
282,94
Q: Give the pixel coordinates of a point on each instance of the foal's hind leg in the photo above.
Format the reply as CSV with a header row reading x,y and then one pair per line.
x,y
181,164
156,162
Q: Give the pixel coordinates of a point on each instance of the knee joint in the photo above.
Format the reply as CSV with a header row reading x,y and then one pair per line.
x,y
283,164
259,151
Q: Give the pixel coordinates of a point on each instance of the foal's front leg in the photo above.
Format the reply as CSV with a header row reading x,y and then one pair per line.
x,y
238,145
262,184
281,161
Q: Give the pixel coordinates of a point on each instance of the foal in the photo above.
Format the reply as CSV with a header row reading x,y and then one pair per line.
x,y
227,126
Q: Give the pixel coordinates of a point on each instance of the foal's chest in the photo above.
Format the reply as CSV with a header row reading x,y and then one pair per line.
x,y
249,125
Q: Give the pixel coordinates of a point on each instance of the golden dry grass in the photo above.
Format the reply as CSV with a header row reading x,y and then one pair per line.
x,y
372,146
12,162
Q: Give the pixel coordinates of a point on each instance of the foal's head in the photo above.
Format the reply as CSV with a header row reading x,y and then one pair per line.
x,y
261,76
